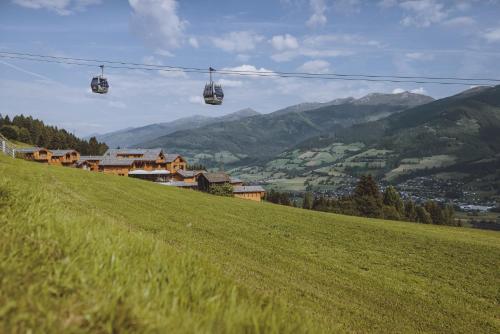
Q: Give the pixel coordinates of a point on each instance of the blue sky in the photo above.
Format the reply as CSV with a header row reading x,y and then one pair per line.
x,y
396,37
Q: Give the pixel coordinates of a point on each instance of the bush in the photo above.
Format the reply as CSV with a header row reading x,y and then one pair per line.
x,y
221,190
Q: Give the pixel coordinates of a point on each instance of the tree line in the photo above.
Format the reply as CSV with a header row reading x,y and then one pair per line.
x,y
368,201
34,132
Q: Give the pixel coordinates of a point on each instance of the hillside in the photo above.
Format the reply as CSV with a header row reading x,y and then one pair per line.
x,y
265,136
87,252
133,136
454,137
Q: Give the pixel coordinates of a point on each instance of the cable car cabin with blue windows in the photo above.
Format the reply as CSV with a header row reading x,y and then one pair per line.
x,y
99,84
213,94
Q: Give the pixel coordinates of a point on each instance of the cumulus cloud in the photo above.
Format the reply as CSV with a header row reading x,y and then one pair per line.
x,y
325,46
284,42
238,41
158,23
230,83
61,7
318,17
196,99
459,21
315,66
419,56
420,13
193,41
259,72
419,90
492,35
423,13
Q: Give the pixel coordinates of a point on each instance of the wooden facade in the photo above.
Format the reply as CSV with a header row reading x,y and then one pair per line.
x,y
64,157
175,162
254,193
206,180
37,154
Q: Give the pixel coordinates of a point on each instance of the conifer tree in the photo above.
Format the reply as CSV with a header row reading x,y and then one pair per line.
x,y
308,201
423,216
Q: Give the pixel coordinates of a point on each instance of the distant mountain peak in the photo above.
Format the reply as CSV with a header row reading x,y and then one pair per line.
x,y
246,112
403,98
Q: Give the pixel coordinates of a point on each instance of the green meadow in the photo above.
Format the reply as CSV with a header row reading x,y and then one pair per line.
x,y
87,252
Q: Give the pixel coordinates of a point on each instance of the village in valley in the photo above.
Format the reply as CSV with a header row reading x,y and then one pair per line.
x,y
145,164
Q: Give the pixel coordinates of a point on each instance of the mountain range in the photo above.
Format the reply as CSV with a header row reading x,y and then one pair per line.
x,y
250,139
133,136
456,139
322,146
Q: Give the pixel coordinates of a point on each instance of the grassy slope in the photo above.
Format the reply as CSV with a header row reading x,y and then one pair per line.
x,y
91,251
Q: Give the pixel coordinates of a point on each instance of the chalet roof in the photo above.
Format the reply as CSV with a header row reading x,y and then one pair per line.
x,y
171,157
248,189
187,173
235,180
29,149
147,154
180,184
90,157
148,172
60,153
219,177
116,162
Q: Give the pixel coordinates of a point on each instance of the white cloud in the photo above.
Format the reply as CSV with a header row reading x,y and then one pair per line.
x,y
492,35
150,60
230,83
196,99
238,41
325,46
419,90
318,17
157,22
423,13
419,56
61,7
459,21
419,13
164,53
315,66
243,57
193,42
284,42
259,72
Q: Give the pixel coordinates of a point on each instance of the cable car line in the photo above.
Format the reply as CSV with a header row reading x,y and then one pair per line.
x,y
247,73
258,73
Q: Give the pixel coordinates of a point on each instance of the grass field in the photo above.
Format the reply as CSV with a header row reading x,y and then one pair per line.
x,y
83,252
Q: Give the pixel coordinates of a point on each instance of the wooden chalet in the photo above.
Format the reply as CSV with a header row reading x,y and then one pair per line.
x,y
122,161
64,157
38,154
254,193
160,175
175,162
89,162
189,176
206,180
